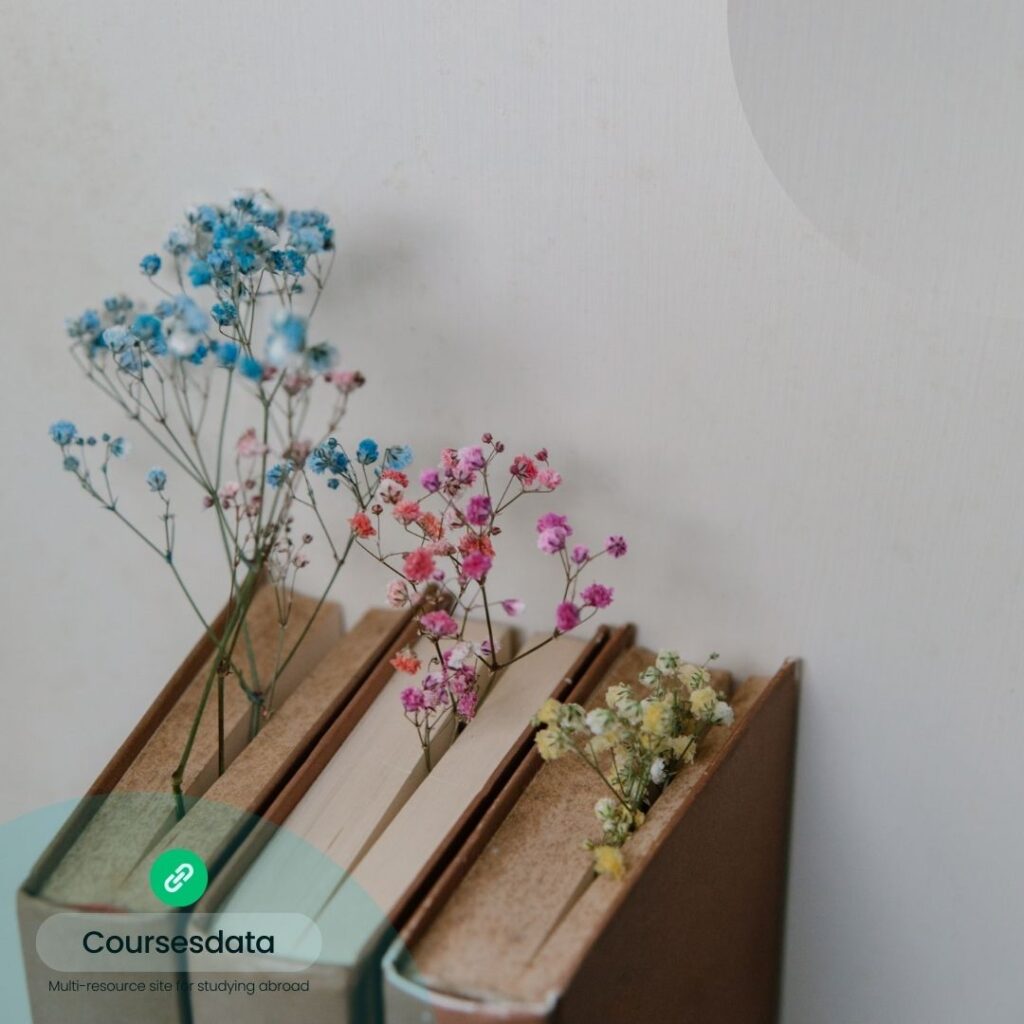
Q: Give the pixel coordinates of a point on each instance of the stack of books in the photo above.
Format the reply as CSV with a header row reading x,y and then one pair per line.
x,y
401,895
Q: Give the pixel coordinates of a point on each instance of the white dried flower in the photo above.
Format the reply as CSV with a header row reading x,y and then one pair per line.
x,y
600,720
668,662
723,714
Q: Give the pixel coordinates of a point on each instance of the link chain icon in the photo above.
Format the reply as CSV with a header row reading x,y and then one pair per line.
x,y
178,877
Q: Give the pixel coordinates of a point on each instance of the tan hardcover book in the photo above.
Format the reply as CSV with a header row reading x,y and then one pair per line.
x,y
519,928
140,806
222,810
391,854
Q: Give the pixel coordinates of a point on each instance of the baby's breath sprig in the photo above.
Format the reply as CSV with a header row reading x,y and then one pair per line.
x,y
236,290
448,535
636,743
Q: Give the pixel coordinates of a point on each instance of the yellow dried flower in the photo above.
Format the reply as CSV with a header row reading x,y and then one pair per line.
x,y
548,714
608,860
695,675
617,694
703,701
552,743
658,717
684,748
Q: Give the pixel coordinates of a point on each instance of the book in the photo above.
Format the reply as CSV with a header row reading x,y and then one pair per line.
x,y
518,928
219,813
354,871
140,805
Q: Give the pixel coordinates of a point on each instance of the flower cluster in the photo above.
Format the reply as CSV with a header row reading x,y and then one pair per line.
x,y
636,742
236,287
232,256
449,529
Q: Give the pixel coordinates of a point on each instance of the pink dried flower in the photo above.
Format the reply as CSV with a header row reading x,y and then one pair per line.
x,y
362,526
549,478
430,525
418,565
551,540
524,469
412,700
597,595
390,492
407,512
456,656
471,459
552,519
346,381
295,383
616,546
467,705
513,606
398,594
439,624
567,617
580,553
430,480
478,511
229,492
449,458
249,445
476,566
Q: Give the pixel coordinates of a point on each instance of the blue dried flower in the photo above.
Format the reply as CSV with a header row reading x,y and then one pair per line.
x,y
398,457
63,432
225,313
157,479
227,353
287,338
194,319
71,464
200,273
119,447
368,451
321,357
150,331
251,368
177,242
328,456
118,338
150,264
277,473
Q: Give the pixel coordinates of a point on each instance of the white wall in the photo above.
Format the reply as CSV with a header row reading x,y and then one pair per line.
x,y
557,223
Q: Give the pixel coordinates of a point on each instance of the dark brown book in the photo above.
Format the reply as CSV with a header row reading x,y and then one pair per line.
x,y
519,929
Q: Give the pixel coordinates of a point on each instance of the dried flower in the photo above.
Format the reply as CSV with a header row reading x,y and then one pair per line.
x,y
608,860
439,624
634,744
567,617
406,661
457,521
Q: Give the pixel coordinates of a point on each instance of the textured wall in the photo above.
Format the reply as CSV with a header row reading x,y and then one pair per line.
x,y
747,270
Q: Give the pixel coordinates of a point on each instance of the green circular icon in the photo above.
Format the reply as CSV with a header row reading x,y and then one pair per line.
x,y
178,877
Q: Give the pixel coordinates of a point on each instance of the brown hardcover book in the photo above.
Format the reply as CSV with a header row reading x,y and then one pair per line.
x,y
221,810
519,929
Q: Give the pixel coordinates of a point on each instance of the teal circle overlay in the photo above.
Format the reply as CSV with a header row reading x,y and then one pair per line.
x,y
178,877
